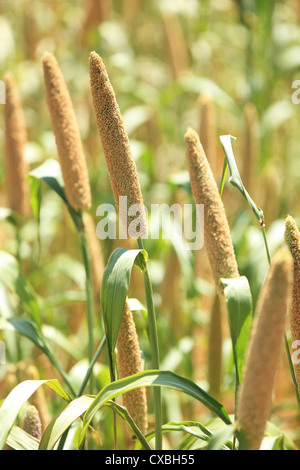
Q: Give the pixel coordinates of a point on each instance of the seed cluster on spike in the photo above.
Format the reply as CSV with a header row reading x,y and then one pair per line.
x,y
32,423
15,139
129,363
292,237
116,147
255,395
67,136
217,236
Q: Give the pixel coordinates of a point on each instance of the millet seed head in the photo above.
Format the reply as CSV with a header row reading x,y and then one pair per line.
x,y
292,237
130,363
67,136
217,236
15,139
32,423
116,147
265,346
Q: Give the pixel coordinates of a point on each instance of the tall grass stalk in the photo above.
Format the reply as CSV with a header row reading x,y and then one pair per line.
x,y
74,168
124,180
89,297
153,338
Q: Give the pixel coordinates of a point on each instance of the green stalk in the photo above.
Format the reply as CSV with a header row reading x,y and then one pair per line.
x,y
90,368
58,367
89,300
153,338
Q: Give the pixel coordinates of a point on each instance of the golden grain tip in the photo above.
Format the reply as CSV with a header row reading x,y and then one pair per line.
x,y
49,59
9,77
292,236
191,135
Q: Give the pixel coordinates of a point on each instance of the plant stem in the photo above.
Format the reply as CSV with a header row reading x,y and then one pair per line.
x,y
58,367
153,338
266,243
89,300
90,368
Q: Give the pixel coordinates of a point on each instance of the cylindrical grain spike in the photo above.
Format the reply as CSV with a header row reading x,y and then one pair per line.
x,y
15,139
119,159
129,363
292,237
67,136
255,397
217,236
32,423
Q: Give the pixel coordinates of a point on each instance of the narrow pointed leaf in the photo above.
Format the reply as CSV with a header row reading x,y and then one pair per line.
x,y
67,417
154,378
50,173
239,307
235,178
15,400
115,286
12,277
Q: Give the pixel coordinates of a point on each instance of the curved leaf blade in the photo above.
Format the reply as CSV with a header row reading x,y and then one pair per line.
x,y
67,417
15,400
154,378
235,178
239,307
115,286
50,173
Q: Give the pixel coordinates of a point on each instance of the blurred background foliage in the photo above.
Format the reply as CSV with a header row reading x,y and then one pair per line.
x,y
162,57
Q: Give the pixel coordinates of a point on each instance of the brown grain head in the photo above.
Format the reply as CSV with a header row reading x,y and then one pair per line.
x,y
115,142
217,237
15,139
292,237
265,347
130,363
67,136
